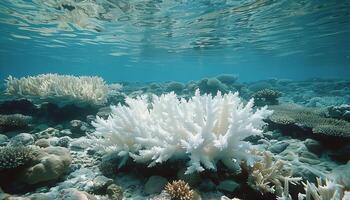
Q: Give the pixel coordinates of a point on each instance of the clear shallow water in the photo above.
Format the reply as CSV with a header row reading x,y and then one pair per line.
x,y
175,40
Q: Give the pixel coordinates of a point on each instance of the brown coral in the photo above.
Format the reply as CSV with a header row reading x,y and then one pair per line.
x,y
14,122
266,97
310,118
14,157
179,190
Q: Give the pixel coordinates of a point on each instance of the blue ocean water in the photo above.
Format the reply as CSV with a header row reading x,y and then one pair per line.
x,y
160,40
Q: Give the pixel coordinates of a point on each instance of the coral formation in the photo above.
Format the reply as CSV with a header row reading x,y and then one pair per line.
x,y
179,190
14,157
87,89
204,129
271,176
329,190
14,122
48,165
288,114
266,97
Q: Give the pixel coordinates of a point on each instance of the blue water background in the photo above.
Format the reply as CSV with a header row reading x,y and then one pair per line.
x,y
269,44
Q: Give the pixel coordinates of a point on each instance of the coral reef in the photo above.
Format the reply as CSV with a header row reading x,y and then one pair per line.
x,y
179,134
179,190
14,157
204,129
92,90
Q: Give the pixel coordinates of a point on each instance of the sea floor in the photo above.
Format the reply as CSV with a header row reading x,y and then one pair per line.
x,y
301,133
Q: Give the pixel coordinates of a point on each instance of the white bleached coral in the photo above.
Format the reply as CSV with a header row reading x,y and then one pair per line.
x,y
203,129
327,191
274,176
89,89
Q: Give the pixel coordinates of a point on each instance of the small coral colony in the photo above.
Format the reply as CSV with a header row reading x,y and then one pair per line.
x,y
67,137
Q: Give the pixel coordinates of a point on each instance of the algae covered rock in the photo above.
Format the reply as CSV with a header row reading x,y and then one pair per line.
x,y
51,163
100,184
313,146
3,140
43,143
74,194
340,112
115,192
192,179
155,184
22,139
228,186
278,147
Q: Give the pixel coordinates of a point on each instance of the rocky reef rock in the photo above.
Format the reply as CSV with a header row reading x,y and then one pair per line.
x,y
340,112
115,192
74,194
22,139
155,184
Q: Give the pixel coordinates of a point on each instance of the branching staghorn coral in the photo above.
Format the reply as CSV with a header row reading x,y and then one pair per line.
x,y
179,190
87,89
328,191
272,176
203,129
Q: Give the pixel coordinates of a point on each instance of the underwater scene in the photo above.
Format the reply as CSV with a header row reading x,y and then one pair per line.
x,y
174,100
